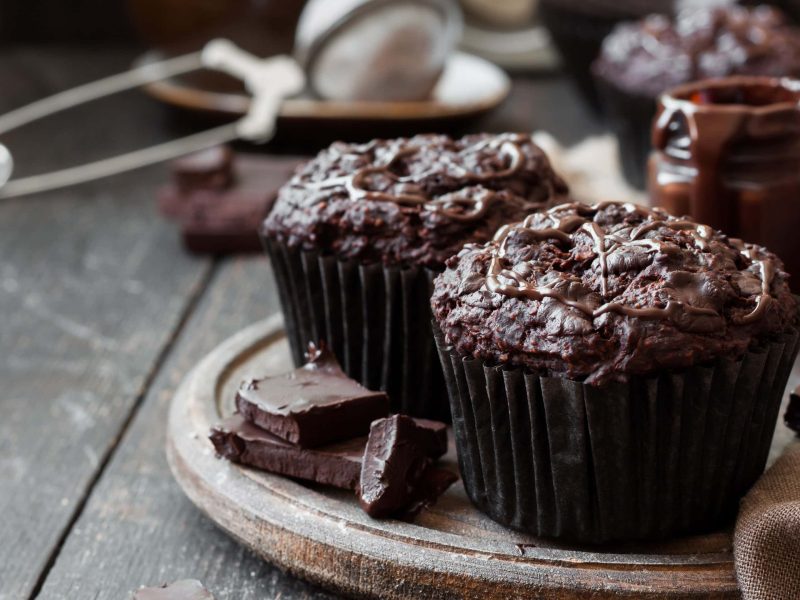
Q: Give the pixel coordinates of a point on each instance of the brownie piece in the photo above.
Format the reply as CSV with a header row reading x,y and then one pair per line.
x,y
338,465
395,473
223,223
313,405
211,168
186,589
411,201
599,293
219,217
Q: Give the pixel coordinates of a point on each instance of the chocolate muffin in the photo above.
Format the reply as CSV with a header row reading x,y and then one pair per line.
x,y
358,233
641,60
614,372
578,27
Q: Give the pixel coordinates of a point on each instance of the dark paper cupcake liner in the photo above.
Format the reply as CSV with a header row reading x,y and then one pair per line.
x,y
374,318
630,117
654,458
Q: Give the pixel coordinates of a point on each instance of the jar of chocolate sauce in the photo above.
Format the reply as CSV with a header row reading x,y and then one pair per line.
x,y
727,153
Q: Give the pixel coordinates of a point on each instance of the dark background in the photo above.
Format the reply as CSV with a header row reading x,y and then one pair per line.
x,y
64,20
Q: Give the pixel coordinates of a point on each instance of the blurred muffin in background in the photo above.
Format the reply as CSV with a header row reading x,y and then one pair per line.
x,y
641,60
578,28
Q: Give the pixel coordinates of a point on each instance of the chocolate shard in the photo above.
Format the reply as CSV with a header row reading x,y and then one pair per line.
x,y
186,589
338,465
432,484
314,405
210,169
396,459
219,215
432,437
792,415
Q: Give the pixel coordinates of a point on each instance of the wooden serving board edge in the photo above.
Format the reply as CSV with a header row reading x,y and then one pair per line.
x,y
272,516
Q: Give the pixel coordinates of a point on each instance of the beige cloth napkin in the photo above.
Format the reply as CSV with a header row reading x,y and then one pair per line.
x,y
766,544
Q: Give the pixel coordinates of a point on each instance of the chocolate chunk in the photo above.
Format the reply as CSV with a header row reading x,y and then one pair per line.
x,y
792,415
211,168
432,484
223,220
186,589
224,223
338,464
432,437
313,405
396,460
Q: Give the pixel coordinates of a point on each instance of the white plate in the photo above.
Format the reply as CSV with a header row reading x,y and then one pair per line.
x,y
469,86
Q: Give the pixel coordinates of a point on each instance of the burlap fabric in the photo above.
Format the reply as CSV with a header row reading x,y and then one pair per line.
x,y
767,539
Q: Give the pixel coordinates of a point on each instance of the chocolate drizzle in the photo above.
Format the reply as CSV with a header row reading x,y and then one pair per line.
x,y
412,201
624,238
462,208
766,274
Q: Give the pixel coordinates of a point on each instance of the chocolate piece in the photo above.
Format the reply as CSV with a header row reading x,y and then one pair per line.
x,y
432,484
432,437
792,415
224,223
313,405
338,464
396,457
218,220
186,589
602,292
412,201
211,169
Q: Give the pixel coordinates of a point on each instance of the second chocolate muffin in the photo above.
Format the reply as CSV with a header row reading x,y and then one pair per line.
x,y
614,372
358,233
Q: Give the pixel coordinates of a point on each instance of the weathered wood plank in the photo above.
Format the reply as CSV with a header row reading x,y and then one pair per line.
x,y
138,527
92,286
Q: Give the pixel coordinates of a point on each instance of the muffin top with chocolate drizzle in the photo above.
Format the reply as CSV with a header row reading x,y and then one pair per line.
x,y
652,55
412,201
601,292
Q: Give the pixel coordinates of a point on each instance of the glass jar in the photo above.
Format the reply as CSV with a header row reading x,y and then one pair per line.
x,y
727,153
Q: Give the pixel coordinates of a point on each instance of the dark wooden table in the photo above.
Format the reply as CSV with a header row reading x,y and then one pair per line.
x,y
101,315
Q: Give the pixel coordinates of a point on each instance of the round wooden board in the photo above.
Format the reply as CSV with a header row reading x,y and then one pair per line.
x,y
450,551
